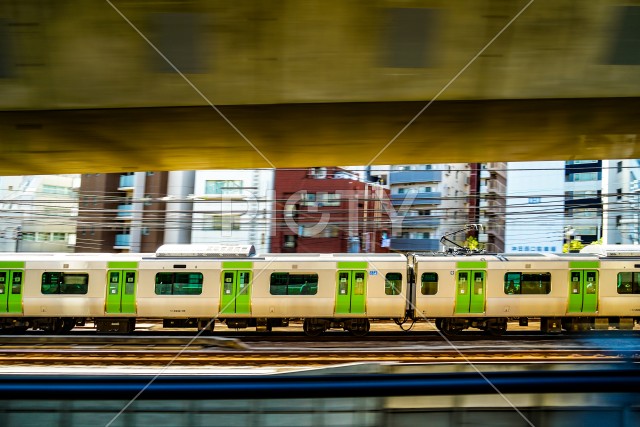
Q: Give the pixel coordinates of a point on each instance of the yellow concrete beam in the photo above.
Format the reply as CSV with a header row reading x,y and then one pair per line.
x,y
301,135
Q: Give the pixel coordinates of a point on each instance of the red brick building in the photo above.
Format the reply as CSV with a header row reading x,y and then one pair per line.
x,y
327,210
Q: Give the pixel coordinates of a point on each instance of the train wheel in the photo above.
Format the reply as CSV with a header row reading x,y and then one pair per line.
x,y
205,327
449,328
497,327
55,327
66,325
312,330
360,328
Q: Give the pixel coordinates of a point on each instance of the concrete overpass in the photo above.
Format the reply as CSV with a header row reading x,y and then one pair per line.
x,y
133,85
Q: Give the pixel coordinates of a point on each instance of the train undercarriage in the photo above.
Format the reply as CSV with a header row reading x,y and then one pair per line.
x,y
316,326
54,325
498,326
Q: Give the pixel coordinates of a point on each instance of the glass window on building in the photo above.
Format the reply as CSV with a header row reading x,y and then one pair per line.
x,y
43,237
328,199
56,189
583,176
58,237
224,222
223,187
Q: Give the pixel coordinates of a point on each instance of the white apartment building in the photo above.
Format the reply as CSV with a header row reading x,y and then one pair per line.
x,y
552,203
233,207
432,200
38,213
535,207
621,197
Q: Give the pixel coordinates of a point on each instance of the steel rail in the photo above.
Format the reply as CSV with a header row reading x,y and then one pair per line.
x,y
132,356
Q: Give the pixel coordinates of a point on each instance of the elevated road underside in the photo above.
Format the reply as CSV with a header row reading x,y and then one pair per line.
x,y
303,135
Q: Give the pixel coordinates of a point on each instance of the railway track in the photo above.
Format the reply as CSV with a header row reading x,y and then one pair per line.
x,y
194,356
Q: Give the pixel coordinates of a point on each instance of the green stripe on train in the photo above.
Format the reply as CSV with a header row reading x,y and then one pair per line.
x,y
122,264
584,264
471,264
237,264
352,265
11,264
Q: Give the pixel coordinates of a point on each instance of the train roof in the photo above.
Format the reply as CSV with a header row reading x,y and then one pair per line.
x,y
612,251
88,256
205,251
518,256
333,257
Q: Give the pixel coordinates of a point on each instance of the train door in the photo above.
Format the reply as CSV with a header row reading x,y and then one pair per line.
x,y
470,291
351,291
11,291
583,291
121,291
236,292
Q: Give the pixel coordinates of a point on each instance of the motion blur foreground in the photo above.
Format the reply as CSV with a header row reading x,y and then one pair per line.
x,y
86,87
117,86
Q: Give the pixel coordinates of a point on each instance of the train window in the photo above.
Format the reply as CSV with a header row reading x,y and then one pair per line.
x,y
50,283
590,278
358,286
243,282
188,284
74,284
3,281
64,283
629,282
179,283
429,283
575,282
227,286
462,283
478,283
512,283
114,282
16,286
527,283
293,284
343,283
393,284
129,283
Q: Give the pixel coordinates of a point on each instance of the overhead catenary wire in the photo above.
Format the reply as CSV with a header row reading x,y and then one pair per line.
x,y
151,214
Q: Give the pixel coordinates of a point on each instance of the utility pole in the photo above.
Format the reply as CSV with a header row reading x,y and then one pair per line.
x,y
18,237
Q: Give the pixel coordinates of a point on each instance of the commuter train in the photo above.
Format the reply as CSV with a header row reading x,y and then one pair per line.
x,y
198,286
